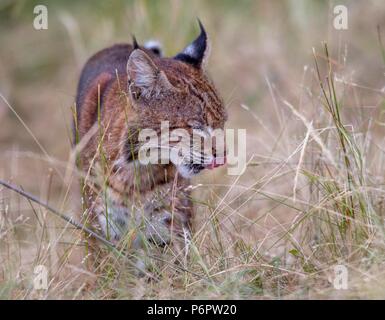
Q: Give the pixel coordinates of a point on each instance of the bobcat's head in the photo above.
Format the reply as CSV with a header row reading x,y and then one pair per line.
x,y
178,90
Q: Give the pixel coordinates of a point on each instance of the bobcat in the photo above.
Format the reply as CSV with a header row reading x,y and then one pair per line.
x,y
123,89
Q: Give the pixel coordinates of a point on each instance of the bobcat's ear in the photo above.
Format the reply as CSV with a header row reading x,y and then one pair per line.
x,y
144,75
197,52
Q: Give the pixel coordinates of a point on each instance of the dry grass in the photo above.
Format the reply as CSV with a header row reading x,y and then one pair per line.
x,y
312,196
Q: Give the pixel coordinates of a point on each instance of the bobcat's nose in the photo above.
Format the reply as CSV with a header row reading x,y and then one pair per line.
x,y
216,162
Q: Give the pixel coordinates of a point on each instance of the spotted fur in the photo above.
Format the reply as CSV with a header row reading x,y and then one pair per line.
x,y
123,89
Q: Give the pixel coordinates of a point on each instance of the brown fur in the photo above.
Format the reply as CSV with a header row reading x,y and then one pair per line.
x,y
113,101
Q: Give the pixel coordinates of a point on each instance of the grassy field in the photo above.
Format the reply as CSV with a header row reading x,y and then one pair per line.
x,y
312,99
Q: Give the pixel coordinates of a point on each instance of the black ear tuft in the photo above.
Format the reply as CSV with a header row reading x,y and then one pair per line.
x,y
135,43
196,52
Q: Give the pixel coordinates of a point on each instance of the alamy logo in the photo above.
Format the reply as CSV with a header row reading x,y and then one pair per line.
x,y
40,280
340,281
340,21
40,22
203,148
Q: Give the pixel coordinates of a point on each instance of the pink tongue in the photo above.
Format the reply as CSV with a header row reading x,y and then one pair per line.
x,y
214,164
